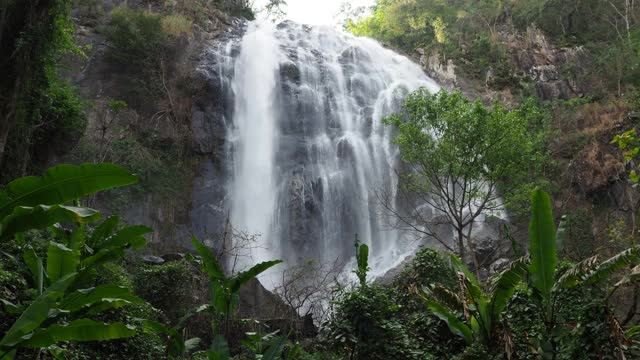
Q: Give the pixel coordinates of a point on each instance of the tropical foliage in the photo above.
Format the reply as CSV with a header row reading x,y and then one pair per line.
x,y
64,299
223,302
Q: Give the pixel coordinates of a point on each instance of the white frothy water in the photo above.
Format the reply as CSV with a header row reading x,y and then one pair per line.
x,y
308,144
254,134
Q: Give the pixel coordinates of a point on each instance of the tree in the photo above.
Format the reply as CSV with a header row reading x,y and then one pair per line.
x,y
275,9
458,156
307,288
36,106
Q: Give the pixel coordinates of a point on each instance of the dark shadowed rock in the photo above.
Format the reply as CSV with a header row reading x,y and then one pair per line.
x,y
172,257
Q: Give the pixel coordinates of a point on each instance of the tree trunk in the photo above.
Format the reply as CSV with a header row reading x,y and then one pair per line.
x,y
5,127
472,251
461,244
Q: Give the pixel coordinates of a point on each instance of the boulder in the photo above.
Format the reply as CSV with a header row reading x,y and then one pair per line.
x,y
152,260
172,257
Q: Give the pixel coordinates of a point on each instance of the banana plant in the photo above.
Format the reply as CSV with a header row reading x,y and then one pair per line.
x,y
545,242
64,300
265,347
224,294
482,310
485,308
38,202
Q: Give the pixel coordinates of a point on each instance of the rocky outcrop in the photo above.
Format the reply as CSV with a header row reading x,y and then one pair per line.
x,y
558,73
197,121
555,72
596,167
443,71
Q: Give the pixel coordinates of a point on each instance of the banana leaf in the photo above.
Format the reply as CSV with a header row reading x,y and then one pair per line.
x,y
61,184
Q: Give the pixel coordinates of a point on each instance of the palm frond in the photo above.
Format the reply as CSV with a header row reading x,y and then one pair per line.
x,y
443,295
455,325
609,267
505,285
576,273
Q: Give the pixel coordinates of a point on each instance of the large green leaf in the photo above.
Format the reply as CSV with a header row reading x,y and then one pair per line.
x,y
34,263
130,235
37,312
276,345
616,263
78,330
60,261
7,354
561,234
443,295
542,233
211,265
219,297
574,275
455,324
177,346
362,259
191,344
472,284
476,296
505,285
110,294
219,349
632,277
244,277
42,216
103,256
103,231
61,184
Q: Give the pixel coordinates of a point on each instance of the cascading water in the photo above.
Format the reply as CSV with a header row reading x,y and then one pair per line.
x,y
305,138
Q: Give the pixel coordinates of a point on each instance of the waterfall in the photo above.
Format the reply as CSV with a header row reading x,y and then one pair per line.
x,y
307,150
255,135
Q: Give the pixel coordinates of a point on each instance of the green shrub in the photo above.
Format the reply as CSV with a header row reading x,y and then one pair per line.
x,y
143,345
426,268
432,334
169,287
137,37
240,8
476,351
177,25
366,316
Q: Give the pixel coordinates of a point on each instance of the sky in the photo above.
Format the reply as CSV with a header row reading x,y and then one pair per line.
x,y
316,12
